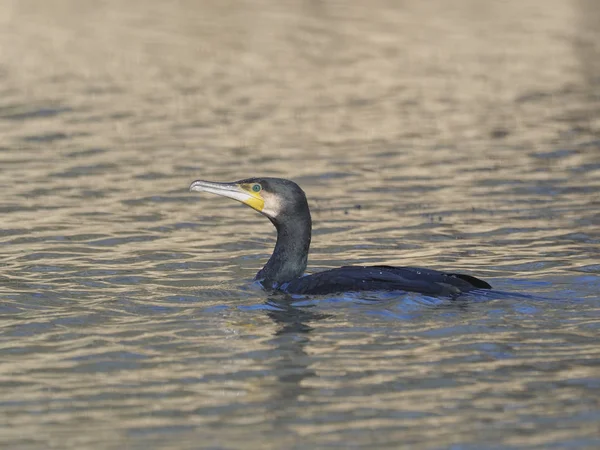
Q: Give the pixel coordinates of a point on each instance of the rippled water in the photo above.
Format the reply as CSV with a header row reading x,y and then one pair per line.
x,y
452,135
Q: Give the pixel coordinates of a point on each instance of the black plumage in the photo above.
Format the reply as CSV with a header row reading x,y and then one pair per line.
x,y
384,278
285,204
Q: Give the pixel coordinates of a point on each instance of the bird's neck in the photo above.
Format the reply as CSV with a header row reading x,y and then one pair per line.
x,y
290,255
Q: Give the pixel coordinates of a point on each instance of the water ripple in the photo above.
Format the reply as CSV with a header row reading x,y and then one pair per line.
x,y
128,314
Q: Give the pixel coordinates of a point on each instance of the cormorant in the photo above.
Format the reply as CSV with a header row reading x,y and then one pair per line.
x,y
284,203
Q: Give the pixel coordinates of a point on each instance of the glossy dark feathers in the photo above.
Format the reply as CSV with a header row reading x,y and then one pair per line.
x,y
384,278
287,208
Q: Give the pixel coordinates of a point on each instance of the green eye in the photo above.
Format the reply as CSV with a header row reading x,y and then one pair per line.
x,y
256,187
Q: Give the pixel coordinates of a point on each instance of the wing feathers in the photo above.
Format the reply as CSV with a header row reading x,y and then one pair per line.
x,y
384,278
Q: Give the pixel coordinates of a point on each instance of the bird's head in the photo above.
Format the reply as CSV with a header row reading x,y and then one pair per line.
x,y
277,198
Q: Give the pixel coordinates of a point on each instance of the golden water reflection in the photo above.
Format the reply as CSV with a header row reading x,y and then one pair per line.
x,y
460,135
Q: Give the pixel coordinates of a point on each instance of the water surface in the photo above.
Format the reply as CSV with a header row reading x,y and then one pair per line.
x,y
450,135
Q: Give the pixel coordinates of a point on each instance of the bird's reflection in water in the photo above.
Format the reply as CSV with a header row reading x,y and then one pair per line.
x,y
292,319
292,364
294,367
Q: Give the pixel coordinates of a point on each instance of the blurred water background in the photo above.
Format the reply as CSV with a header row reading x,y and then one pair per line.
x,y
457,134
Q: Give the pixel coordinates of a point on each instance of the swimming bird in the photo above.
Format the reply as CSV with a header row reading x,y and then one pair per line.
x,y
284,203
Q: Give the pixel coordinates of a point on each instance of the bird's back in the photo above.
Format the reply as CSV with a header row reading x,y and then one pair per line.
x,y
384,278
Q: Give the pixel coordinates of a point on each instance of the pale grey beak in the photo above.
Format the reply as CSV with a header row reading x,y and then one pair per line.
x,y
230,190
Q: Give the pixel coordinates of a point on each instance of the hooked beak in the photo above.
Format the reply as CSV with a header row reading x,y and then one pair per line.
x,y
231,190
